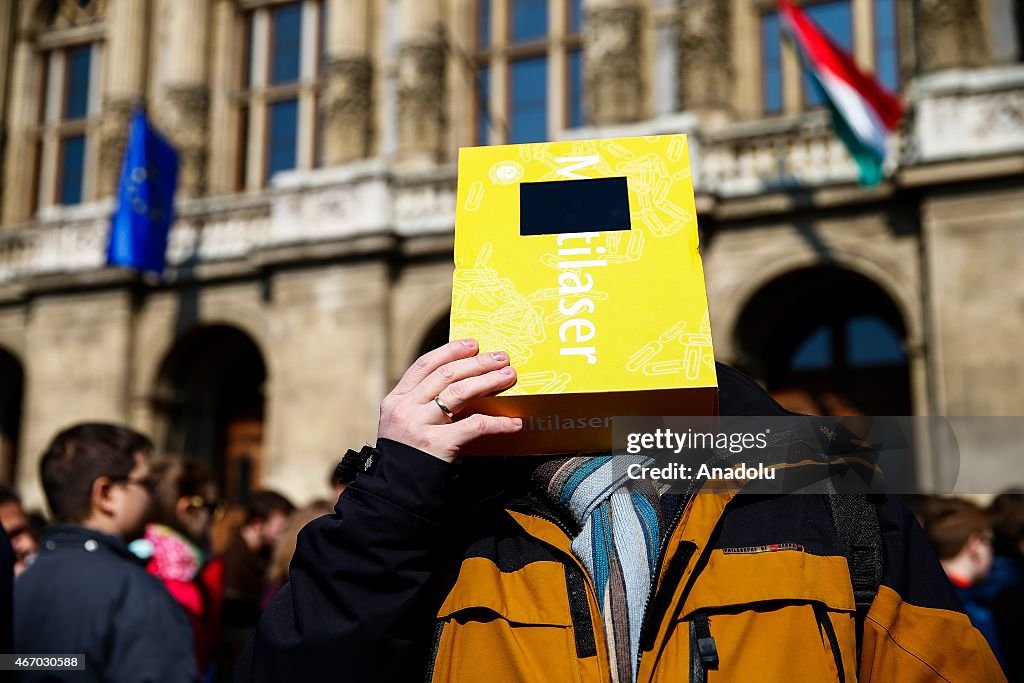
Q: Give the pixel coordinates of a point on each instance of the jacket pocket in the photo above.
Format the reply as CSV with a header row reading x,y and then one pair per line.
x,y
780,617
506,626
479,644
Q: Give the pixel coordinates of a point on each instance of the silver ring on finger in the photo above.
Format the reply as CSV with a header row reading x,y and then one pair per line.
x,y
444,408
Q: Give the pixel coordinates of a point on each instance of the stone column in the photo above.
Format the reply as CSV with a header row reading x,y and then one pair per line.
x,y
8,25
421,81
347,101
124,87
705,55
949,34
612,61
187,91
25,90
221,170
10,119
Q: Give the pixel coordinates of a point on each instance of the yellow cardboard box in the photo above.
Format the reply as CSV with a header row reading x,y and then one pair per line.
x,y
580,259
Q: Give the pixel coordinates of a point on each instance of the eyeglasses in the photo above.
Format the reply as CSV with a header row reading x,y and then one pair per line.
x,y
214,507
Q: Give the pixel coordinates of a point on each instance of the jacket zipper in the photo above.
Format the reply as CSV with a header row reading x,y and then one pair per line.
x,y
703,652
539,514
825,624
646,633
533,511
691,491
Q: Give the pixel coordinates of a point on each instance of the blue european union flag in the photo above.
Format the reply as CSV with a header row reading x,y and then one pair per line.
x,y
145,200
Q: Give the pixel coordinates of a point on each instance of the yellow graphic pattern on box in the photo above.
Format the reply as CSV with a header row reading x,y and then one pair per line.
x,y
615,310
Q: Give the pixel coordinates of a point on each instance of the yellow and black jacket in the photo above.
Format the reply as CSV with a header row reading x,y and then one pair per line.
x,y
429,572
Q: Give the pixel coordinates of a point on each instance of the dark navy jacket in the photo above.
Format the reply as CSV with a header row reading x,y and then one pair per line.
x,y
86,595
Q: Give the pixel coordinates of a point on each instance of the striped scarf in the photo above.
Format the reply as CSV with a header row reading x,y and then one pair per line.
x,y
620,521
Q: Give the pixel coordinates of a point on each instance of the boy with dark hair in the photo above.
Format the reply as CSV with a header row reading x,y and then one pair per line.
x,y
85,594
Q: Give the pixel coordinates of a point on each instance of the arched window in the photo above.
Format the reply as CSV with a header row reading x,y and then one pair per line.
x,y
528,68
209,402
827,341
69,52
860,341
278,81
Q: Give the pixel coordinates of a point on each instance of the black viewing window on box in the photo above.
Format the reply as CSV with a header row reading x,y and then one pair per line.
x,y
568,206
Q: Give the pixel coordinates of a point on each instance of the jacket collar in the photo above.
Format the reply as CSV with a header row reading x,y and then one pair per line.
x,y
69,536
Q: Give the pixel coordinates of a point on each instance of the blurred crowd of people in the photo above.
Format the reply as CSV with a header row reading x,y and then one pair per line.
x,y
142,560
144,553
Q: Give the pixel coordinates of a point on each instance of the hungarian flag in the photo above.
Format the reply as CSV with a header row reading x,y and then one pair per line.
x,y
863,111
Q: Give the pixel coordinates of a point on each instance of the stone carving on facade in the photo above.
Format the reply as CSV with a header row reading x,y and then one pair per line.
x,y
186,122
113,133
70,13
614,84
950,34
347,108
705,54
421,97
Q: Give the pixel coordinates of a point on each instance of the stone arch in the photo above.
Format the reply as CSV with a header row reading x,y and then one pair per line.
x,y
13,342
431,307
156,342
436,335
209,401
828,340
724,319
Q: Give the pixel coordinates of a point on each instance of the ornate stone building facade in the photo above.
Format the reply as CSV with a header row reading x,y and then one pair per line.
x,y
311,258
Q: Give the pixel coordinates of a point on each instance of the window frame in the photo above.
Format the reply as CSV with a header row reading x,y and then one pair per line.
x,y
793,96
781,109
255,94
664,16
897,42
502,51
51,129
806,92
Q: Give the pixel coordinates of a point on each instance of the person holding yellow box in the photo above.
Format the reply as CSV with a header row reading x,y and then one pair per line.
x,y
443,571
579,295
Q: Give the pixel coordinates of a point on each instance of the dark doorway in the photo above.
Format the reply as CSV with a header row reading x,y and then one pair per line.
x,y
12,392
211,393
827,341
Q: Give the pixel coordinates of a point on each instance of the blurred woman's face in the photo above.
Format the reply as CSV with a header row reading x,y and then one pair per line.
x,y
196,514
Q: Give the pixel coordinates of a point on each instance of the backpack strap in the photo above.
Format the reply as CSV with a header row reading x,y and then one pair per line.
x,y
855,517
